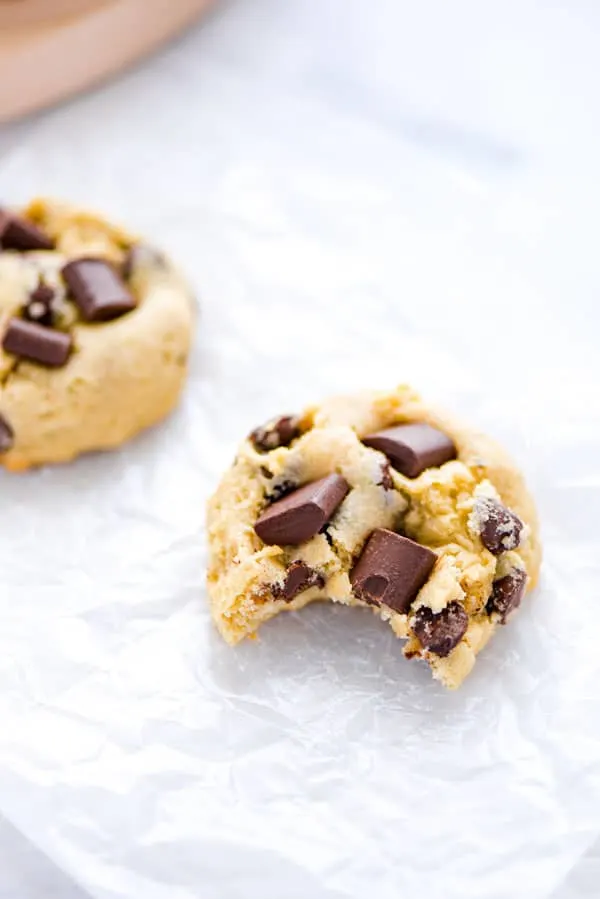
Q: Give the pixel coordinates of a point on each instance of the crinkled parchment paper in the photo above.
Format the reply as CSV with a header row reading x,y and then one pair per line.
x,y
141,754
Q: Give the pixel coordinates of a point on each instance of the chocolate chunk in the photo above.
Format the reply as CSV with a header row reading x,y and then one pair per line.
x,y
37,343
386,481
391,570
499,528
39,305
98,290
7,435
441,632
412,448
299,577
301,514
17,233
278,432
507,593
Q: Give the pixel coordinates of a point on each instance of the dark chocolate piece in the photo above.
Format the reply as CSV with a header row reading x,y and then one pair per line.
x,y
507,593
499,528
98,290
277,432
7,435
18,233
391,570
441,632
29,340
299,577
39,305
301,514
412,448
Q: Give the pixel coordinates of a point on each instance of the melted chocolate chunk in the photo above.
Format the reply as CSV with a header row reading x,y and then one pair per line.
x,y
278,432
441,632
97,289
507,593
37,343
499,528
412,448
299,577
391,570
300,515
18,233
7,435
39,305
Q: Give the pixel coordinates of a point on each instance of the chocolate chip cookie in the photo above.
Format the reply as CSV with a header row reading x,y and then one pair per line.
x,y
375,500
95,330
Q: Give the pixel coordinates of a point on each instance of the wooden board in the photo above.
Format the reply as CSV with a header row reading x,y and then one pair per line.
x,y
47,52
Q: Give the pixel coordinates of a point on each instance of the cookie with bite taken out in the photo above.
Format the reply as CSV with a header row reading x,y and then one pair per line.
x,y
375,500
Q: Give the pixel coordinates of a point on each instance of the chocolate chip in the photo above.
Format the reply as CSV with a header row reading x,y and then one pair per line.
x,y
391,570
440,632
299,577
98,290
300,515
37,343
277,432
413,448
386,481
507,593
7,435
499,528
17,233
39,305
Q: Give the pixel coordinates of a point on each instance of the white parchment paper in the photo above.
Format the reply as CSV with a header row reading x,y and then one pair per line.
x,y
330,251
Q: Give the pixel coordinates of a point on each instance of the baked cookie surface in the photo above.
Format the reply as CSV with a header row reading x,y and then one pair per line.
x,y
95,334
375,500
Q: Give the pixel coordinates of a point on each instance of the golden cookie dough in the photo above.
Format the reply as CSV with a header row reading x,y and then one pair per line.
x,y
443,508
122,376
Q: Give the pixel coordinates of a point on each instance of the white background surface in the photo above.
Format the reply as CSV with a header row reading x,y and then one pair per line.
x,y
323,169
